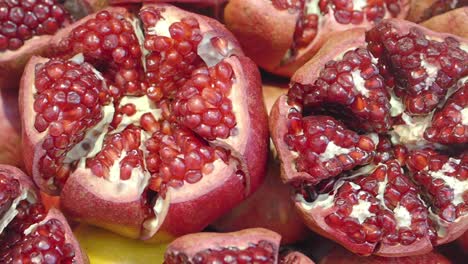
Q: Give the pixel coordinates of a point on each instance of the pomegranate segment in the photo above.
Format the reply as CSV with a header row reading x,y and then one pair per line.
x,y
398,200
152,122
255,245
282,35
28,232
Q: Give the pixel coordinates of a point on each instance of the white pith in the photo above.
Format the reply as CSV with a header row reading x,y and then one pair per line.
x,y
396,105
411,133
431,71
402,216
34,226
464,116
333,150
11,213
458,187
361,211
359,83
141,39
142,105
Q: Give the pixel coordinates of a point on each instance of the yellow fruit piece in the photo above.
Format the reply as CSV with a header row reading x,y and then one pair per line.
x,y
104,247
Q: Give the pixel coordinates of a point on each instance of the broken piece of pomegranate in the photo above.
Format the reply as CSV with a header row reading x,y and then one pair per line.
x,y
29,233
140,129
255,245
372,133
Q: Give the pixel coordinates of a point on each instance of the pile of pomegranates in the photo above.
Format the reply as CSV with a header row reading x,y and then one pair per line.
x,y
147,127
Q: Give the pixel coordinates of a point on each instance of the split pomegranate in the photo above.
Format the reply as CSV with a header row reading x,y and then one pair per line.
x,y
342,256
26,27
270,206
372,133
29,233
163,124
281,36
256,245
422,10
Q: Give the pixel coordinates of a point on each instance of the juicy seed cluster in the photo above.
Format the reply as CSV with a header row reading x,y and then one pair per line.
x,y
110,40
354,82
21,20
123,148
175,155
263,252
423,69
9,190
68,102
202,104
443,179
449,125
326,148
45,244
366,208
171,60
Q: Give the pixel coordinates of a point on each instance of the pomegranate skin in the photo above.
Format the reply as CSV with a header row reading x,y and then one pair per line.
x,y
295,257
314,215
266,33
270,206
453,22
422,10
342,256
184,210
10,150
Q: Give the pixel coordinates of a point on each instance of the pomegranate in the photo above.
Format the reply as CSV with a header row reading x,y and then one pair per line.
x,y
463,242
281,36
26,27
371,135
446,21
424,9
295,257
164,124
10,150
255,245
29,233
270,206
342,256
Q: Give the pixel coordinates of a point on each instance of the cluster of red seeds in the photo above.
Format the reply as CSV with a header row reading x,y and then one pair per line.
x,y
21,20
68,102
310,137
447,126
263,252
422,163
345,11
410,57
46,244
127,141
110,40
172,59
202,104
382,225
175,155
9,190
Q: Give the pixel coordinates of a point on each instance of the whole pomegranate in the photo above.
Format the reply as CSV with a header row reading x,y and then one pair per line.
x,y
255,245
373,135
26,27
342,256
28,232
155,116
10,149
281,35
270,206
446,21
422,10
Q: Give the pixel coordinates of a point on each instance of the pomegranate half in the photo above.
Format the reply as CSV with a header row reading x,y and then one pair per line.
x,y
29,233
255,245
145,122
373,135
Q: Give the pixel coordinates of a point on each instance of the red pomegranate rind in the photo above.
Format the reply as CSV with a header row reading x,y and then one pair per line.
x,y
443,180
342,256
150,176
201,2
450,124
255,245
422,10
10,152
424,69
445,22
271,31
295,257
